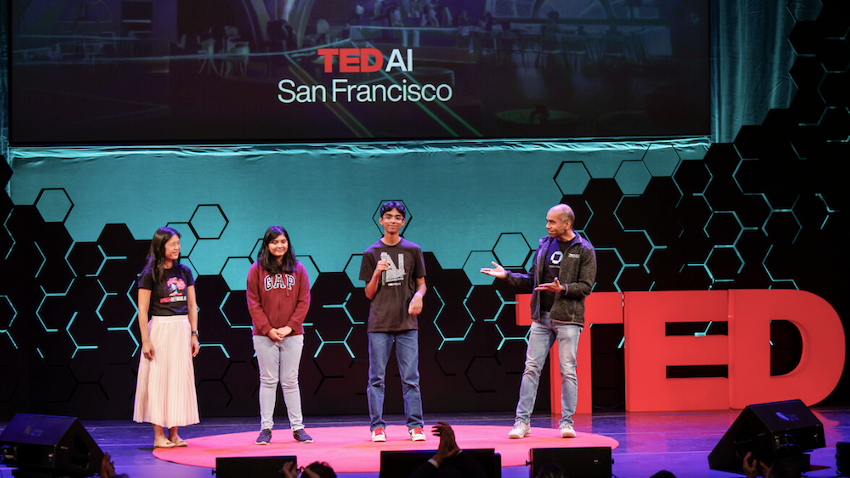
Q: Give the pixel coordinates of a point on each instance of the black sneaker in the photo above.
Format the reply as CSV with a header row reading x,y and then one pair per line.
x,y
301,436
265,437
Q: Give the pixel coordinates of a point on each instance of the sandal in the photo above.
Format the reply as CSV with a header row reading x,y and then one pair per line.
x,y
168,444
181,443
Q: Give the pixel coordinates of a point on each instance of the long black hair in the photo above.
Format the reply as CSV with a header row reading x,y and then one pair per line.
x,y
156,260
268,261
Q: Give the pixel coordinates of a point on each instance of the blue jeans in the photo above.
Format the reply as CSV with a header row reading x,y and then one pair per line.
x,y
540,340
278,363
407,356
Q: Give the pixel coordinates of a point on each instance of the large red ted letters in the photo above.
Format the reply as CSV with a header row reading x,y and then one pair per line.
x,y
746,350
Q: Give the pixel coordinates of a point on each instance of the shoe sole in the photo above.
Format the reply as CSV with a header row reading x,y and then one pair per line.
x,y
379,440
568,435
261,443
304,441
417,438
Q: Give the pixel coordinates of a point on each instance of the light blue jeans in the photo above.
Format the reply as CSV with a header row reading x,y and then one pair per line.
x,y
407,356
543,334
278,363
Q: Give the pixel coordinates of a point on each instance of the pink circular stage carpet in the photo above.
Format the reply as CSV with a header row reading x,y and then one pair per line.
x,y
350,449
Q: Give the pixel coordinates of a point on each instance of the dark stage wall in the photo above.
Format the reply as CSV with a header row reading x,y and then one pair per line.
x,y
767,211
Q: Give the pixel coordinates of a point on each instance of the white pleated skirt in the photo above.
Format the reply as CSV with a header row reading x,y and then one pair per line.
x,y
165,388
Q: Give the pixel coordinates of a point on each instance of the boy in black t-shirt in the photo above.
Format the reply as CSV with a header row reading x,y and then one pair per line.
x,y
394,271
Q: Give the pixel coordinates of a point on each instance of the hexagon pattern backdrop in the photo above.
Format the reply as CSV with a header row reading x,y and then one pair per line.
x,y
767,211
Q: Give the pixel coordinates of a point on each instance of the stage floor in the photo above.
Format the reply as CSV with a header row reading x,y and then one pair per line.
x,y
648,442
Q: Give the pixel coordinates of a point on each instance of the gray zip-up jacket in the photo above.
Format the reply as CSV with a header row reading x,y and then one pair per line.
x,y
578,272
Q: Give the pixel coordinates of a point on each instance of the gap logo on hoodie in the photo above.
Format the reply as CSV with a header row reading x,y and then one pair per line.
x,y
279,281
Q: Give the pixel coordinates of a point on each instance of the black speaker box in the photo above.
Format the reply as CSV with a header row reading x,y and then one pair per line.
x,y
50,445
776,430
395,464
588,462
243,466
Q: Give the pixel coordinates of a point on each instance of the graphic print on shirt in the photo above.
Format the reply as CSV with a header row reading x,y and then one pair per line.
x,y
175,288
279,281
395,274
555,260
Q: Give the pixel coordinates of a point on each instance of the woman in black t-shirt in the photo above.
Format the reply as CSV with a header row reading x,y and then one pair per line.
x,y
165,389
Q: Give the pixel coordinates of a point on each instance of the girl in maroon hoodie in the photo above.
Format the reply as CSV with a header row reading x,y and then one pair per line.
x,y
278,299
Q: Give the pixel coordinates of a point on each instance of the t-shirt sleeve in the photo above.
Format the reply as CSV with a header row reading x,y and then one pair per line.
x,y
146,281
367,265
187,274
419,267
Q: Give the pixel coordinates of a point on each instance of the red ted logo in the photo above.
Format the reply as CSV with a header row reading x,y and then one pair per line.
x,y
364,60
746,350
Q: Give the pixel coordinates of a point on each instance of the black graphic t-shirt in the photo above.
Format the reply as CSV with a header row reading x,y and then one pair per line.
x,y
171,296
551,270
388,309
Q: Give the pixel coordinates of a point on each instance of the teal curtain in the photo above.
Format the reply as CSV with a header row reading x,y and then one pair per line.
x,y
751,60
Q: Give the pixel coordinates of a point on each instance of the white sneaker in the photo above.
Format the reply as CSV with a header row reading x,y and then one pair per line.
x,y
417,434
378,435
567,432
520,430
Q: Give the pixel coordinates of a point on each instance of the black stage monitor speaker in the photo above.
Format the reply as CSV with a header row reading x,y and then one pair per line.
x,y
395,464
772,431
588,462
842,458
245,466
50,445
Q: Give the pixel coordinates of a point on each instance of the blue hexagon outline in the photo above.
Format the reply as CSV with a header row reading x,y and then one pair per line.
x,y
651,163
226,318
521,235
6,331
623,266
308,263
102,299
505,338
558,172
129,326
344,307
67,213
770,274
476,278
355,281
793,215
43,258
443,337
6,226
344,342
224,266
699,194
621,169
708,256
77,346
44,297
734,214
220,210
589,218
652,245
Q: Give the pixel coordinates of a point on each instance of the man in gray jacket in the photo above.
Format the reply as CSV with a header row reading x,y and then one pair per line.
x,y
563,274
